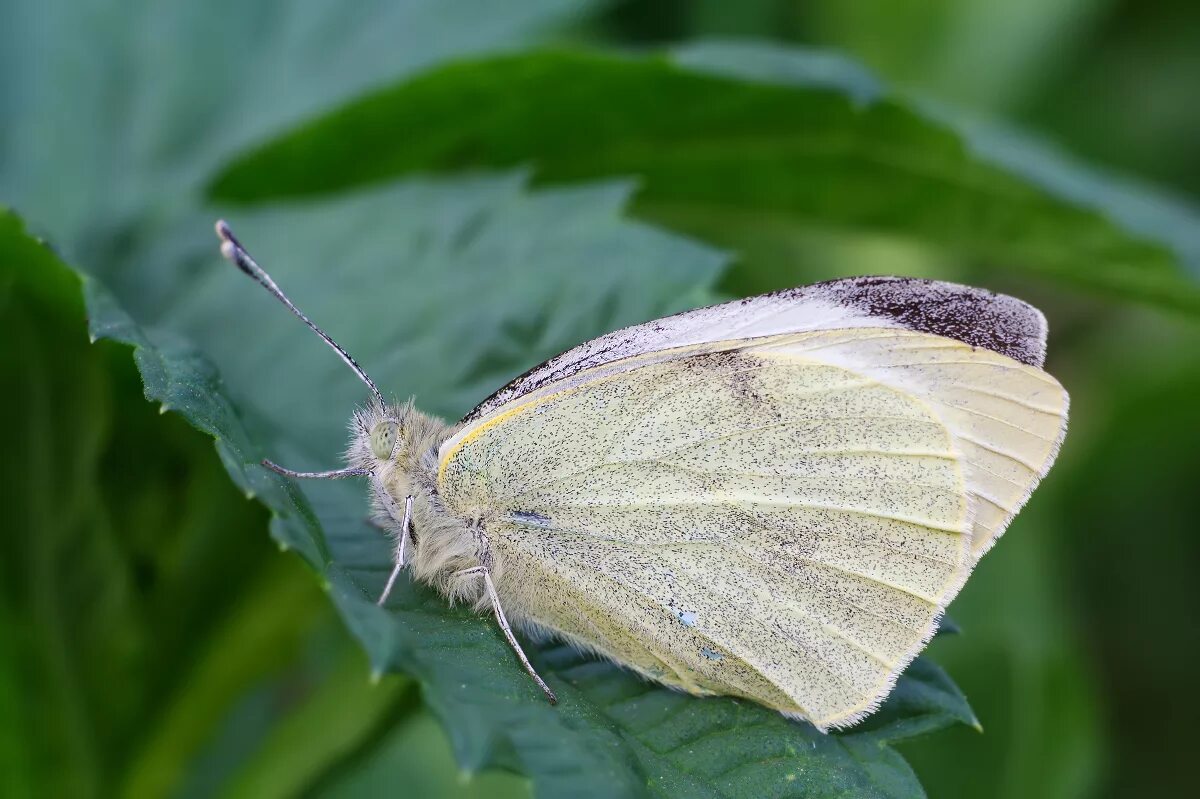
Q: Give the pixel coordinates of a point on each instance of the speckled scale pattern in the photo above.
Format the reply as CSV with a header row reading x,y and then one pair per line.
x,y
781,517
974,316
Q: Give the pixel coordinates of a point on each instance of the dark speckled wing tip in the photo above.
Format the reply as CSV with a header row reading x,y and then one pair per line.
x,y
973,316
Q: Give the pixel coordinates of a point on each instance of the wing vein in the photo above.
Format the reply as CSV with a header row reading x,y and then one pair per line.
x,y
741,473
769,502
1018,401
608,462
1000,452
964,409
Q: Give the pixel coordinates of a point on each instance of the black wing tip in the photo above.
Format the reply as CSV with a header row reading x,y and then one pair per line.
x,y
974,316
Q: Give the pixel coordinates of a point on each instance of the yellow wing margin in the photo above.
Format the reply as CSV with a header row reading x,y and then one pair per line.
x,y
781,518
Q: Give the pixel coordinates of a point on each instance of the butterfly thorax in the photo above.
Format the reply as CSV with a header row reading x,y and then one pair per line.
x,y
441,544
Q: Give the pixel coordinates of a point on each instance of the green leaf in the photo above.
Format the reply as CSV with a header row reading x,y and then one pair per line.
x,y
746,142
344,711
417,749
973,52
1140,209
112,116
132,579
447,289
1027,672
483,259
257,636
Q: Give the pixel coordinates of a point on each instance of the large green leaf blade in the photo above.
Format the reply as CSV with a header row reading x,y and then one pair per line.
x,y
448,288
133,108
185,91
812,144
136,601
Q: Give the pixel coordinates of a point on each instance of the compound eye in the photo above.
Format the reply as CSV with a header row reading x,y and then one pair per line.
x,y
383,440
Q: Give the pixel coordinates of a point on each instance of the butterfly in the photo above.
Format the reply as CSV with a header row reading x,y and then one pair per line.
x,y
773,498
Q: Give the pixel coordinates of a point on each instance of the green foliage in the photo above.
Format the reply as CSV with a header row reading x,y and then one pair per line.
x,y
113,116
611,733
1141,600
812,142
151,641
132,597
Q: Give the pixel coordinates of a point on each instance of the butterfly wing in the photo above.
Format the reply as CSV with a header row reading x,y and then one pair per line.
x,y
781,517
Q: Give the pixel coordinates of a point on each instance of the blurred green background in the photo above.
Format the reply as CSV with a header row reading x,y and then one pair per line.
x,y
154,643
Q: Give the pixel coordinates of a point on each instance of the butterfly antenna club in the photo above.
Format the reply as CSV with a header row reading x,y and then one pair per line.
x,y
234,252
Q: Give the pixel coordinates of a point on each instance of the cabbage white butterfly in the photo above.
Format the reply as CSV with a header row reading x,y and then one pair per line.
x,y
773,498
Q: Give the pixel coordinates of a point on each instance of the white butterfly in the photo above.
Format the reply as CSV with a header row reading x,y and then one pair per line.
x,y
772,498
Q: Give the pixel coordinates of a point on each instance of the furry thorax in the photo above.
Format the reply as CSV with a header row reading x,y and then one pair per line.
x,y
441,544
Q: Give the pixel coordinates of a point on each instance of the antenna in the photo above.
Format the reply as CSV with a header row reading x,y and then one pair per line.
x,y
234,252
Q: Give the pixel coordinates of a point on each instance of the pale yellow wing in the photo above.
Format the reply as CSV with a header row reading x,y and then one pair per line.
x,y
1007,418
781,518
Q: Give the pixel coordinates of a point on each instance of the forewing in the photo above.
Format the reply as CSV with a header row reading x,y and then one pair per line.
x,y
974,316
781,518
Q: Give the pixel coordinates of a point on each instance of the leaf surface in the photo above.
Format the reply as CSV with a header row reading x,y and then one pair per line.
x,y
136,601
446,289
760,141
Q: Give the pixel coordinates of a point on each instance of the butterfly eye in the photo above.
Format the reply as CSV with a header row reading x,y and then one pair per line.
x,y
383,439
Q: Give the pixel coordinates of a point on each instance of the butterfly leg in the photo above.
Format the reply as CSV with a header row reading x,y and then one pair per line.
x,y
332,474
494,598
394,511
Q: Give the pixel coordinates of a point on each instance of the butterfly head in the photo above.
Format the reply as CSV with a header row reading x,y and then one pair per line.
x,y
393,437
